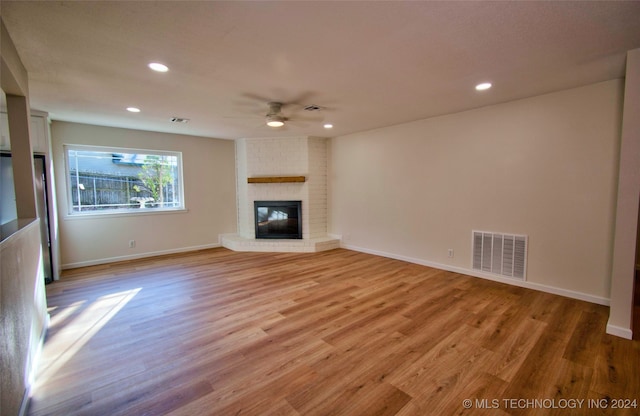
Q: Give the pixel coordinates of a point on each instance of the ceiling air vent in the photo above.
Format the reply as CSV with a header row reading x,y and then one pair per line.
x,y
313,107
179,120
501,254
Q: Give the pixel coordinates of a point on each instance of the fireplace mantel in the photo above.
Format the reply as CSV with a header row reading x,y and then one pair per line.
x,y
276,179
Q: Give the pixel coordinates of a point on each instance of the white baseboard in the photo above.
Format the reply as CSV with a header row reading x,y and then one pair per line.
x,y
618,331
136,256
475,273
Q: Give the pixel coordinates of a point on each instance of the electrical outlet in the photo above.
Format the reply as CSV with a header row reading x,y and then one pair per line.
x,y
450,252
132,243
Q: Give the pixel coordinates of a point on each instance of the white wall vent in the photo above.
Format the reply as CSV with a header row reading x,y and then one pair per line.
x,y
502,254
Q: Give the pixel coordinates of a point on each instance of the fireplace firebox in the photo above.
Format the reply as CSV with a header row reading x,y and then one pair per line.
x,y
278,219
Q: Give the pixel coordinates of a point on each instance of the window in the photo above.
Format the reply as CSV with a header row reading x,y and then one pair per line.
x,y
114,180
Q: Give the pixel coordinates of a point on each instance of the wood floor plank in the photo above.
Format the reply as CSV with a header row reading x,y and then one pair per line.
x,y
511,354
215,332
586,337
616,368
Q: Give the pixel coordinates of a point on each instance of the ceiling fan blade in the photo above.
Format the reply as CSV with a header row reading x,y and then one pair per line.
x,y
304,98
256,97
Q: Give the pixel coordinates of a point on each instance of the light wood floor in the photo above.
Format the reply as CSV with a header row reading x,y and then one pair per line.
x,y
217,332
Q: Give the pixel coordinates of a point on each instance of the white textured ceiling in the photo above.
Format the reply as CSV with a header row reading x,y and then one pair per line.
x,y
369,64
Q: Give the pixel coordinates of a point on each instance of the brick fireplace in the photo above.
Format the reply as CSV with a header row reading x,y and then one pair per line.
x,y
282,169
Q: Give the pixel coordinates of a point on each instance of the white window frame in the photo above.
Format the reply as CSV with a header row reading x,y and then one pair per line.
x,y
122,211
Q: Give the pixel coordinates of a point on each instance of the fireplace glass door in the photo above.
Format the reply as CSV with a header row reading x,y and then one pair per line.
x,y
278,219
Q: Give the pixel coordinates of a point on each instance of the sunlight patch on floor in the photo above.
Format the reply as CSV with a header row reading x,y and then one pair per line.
x,y
71,338
64,314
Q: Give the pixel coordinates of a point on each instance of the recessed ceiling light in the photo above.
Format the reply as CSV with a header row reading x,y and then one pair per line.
x,y
158,67
328,126
484,86
133,109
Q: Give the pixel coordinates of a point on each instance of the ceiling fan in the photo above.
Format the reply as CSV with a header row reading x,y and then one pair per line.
x,y
275,116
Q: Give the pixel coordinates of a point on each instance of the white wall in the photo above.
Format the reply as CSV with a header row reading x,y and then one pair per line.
x,y
209,181
544,166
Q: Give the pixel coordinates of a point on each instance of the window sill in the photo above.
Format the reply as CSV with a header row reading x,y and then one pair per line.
x,y
119,214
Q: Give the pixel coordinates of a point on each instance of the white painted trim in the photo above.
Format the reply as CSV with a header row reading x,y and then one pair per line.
x,y
475,273
618,331
137,256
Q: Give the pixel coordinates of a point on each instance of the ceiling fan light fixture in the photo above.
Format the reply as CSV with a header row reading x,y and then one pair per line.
x,y
274,117
275,121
